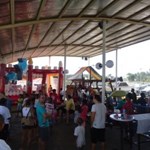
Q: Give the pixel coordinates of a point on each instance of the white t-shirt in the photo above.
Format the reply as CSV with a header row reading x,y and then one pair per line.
x,y
25,111
100,116
4,145
4,111
76,116
49,108
80,133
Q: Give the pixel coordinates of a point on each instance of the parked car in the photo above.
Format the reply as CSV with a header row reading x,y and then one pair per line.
x,y
123,86
120,84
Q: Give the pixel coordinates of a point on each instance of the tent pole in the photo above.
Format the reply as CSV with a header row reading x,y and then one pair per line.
x,y
65,50
103,60
116,67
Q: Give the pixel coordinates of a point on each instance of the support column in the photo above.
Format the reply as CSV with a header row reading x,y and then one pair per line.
x,y
60,79
44,83
29,81
116,68
2,77
103,59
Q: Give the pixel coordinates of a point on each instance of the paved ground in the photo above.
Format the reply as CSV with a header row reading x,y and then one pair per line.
x,y
62,138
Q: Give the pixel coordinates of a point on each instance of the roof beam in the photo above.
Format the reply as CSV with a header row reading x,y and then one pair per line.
x,y
73,33
85,8
31,49
125,8
58,36
12,12
79,15
107,7
64,8
50,28
132,42
42,4
90,18
97,50
117,24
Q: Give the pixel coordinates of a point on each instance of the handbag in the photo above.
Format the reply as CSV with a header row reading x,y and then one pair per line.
x,y
27,121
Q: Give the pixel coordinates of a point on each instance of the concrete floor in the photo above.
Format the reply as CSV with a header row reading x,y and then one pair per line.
x,y
62,138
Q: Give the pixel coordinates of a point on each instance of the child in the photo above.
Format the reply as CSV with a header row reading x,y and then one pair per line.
x,y
50,109
77,113
79,132
84,111
19,104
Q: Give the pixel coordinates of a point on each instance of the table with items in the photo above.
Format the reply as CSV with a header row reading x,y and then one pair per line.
x,y
123,120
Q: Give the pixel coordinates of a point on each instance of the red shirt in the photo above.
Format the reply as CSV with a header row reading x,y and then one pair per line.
x,y
128,106
84,111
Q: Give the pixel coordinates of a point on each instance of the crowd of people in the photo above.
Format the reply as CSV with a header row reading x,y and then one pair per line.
x,y
83,107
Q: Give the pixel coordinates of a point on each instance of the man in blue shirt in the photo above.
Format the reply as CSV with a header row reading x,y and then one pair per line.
x,y
43,123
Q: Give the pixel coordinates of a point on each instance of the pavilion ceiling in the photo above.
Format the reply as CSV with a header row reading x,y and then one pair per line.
x,y
46,27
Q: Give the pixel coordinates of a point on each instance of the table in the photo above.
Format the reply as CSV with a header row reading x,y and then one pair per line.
x,y
143,125
122,121
143,122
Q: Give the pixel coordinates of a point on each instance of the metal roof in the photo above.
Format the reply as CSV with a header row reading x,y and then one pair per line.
x,y
44,27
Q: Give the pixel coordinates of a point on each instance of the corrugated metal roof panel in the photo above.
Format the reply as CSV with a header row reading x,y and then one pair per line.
x,y
43,27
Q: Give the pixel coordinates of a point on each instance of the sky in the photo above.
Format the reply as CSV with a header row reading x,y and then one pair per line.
x,y
132,59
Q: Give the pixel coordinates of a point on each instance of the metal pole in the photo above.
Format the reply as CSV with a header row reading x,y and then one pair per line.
x,y
116,67
49,60
64,88
103,60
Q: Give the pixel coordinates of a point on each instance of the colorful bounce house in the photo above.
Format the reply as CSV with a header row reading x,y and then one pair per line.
x,y
23,71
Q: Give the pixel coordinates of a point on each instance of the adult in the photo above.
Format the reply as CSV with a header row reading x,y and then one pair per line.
x,y
27,112
70,107
5,112
142,99
54,97
120,103
134,97
98,118
43,122
128,106
19,104
3,144
61,95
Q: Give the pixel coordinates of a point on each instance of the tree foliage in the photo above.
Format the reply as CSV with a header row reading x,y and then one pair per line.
x,y
140,76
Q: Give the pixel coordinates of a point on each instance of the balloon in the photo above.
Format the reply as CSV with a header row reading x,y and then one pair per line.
x,y
11,76
22,64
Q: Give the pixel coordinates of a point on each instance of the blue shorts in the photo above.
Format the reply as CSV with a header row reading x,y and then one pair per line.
x,y
44,133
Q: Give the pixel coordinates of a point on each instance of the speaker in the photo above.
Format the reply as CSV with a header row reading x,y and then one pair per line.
x,y
99,66
109,63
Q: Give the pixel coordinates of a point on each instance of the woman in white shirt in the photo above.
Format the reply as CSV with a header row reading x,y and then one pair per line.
x,y
27,111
